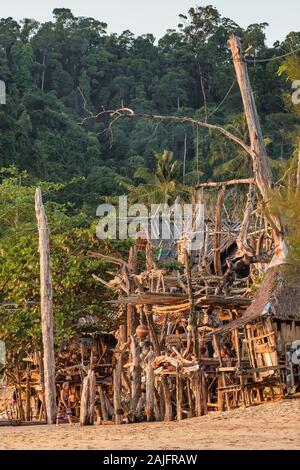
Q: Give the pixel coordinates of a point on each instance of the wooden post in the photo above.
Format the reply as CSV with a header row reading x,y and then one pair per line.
x,y
218,229
131,316
218,352
87,400
261,166
204,399
28,400
92,396
239,361
46,308
237,346
199,389
192,319
84,399
136,376
150,388
167,399
103,404
149,260
117,391
123,334
190,398
178,395
153,335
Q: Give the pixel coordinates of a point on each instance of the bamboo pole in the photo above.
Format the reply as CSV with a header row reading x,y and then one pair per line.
x,y
46,308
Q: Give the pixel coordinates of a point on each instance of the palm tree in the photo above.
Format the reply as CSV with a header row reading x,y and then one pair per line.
x,y
160,186
227,160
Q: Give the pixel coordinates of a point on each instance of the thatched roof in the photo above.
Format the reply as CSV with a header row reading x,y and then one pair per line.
x,y
278,295
281,291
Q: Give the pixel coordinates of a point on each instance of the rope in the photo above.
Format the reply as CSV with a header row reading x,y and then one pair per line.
x,y
273,58
224,99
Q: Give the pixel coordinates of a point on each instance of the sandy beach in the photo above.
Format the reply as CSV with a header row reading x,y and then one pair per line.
x,y
268,426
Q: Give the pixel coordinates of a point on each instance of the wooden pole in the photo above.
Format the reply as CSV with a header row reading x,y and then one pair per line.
x,y
150,386
92,396
117,376
153,335
178,395
28,401
136,376
167,399
218,229
84,401
192,318
46,308
223,376
261,166
131,316
242,242
103,404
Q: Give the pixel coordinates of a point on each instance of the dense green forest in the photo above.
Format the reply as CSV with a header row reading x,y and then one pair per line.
x,y
58,73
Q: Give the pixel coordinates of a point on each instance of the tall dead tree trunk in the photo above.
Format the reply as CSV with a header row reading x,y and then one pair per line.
x,y
261,166
46,308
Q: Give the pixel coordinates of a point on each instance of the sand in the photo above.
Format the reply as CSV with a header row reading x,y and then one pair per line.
x,y
269,426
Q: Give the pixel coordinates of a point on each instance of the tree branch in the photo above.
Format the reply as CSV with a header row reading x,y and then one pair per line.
x,y
127,112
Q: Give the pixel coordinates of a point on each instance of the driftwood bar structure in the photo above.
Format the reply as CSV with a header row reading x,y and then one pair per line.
x,y
205,340
197,332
